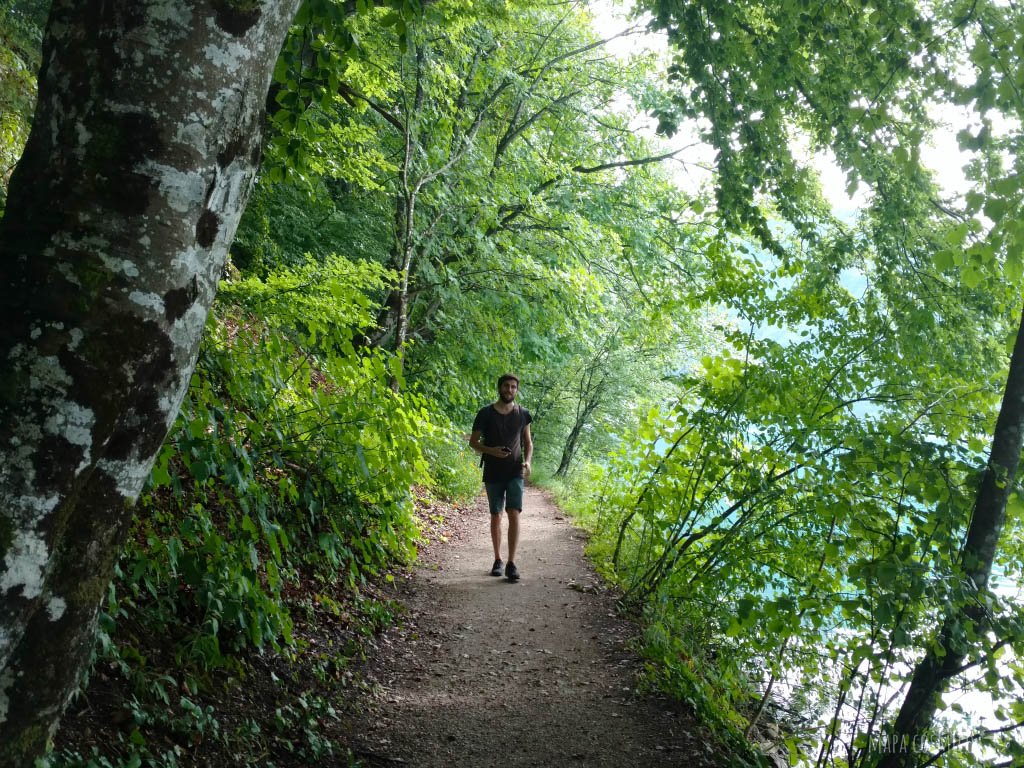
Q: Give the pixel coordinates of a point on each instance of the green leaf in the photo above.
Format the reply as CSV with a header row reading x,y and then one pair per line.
x,y
944,260
1014,265
971,276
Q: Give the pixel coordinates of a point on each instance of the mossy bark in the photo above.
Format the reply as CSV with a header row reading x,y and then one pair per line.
x,y
119,216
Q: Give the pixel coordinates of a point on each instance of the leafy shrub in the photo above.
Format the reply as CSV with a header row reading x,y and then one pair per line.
x,y
291,465
454,467
292,456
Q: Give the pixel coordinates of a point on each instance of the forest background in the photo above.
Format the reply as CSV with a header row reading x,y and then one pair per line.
x,y
777,422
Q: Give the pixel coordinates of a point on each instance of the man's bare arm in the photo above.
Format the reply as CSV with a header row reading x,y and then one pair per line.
x,y
527,450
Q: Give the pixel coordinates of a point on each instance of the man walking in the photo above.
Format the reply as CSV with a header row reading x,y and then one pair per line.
x,y
501,433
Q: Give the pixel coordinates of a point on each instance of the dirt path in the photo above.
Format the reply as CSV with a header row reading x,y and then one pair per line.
x,y
485,673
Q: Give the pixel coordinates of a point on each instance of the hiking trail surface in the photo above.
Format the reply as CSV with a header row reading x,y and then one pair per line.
x,y
490,674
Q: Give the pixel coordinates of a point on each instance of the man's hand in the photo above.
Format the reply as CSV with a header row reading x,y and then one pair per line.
x,y
527,469
502,453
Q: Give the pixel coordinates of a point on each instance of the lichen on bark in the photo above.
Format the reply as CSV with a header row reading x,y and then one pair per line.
x,y
116,229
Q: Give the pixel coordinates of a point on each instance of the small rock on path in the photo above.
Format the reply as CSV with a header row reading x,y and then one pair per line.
x,y
483,673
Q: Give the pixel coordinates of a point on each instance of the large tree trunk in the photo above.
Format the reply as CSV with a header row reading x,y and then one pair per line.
x,y
944,659
119,216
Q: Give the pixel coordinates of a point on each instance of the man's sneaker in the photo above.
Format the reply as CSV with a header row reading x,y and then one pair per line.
x,y
496,568
511,572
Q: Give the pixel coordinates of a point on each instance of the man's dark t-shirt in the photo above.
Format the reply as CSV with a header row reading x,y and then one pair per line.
x,y
499,429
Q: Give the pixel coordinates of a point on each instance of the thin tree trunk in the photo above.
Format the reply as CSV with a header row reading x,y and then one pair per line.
x,y
140,162
944,659
569,450
400,296
571,443
402,292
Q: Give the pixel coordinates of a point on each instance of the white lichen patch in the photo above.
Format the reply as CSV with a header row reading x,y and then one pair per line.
x,y
229,55
37,330
189,326
192,133
93,243
126,267
187,262
128,475
47,372
180,189
82,133
74,423
226,97
148,300
177,13
68,273
231,188
167,402
178,396
7,679
55,608
37,507
77,334
25,564
19,460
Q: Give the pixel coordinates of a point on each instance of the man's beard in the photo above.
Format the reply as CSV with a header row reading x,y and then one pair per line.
x,y
506,398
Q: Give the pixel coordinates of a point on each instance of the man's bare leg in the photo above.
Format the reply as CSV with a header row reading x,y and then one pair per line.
x,y
513,533
496,535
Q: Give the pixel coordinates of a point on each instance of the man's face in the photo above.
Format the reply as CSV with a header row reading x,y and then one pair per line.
x,y
508,390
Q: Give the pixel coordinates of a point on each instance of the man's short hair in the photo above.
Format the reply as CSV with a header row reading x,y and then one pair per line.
x,y
507,377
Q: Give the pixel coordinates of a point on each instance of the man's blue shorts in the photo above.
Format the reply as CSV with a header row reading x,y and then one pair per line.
x,y
506,494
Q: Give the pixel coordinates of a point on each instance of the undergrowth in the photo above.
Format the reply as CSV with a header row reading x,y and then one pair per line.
x,y
281,499
680,660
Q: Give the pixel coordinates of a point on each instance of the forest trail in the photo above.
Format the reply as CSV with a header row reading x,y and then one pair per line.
x,y
488,674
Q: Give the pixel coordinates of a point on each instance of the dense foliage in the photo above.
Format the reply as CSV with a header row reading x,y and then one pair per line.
x,y
795,522
774,416
314,422
290,473
21,29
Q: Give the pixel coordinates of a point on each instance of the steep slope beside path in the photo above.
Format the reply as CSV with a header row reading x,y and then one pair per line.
x,y
487,673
